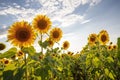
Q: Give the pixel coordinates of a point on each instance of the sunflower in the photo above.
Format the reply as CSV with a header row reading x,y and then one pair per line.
x,y
70,53
109,48
20,55
42,23
21,34
103,37
2,46
50,42
66,45
92,39
41,57
56,34
115,47
6,61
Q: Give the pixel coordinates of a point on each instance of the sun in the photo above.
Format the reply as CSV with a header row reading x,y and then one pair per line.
x,y
66,45
103,37
56,34
42,23
21,34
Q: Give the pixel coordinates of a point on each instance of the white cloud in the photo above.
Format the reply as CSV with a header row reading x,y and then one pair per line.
x,y
3,36
95,2
85,21
58,10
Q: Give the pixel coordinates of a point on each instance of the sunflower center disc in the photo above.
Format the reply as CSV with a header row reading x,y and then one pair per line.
x,y
23,35
6,62
55,34
42,24
103,38
92,39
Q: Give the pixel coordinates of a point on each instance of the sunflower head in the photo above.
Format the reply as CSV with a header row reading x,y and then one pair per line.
x,y
42,23
2,46
70,53
41,57
109,48
56,34
66,45
21,34
115,47
92,39
6,61
20,55
50,42
103,37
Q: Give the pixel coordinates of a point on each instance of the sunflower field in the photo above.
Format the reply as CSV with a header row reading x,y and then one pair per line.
x,y
98,60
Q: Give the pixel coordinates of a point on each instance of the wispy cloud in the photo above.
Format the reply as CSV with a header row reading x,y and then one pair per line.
x,y
85,21
60,11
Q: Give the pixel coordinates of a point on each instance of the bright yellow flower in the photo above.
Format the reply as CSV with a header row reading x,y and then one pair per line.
x,y
21,34
103,37
2,46
109,48
70,53
56,34
66,45
92,39
6,61
42,23
115,47
20,55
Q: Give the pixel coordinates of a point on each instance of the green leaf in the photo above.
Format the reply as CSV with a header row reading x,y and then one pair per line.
x,y
110,59
43,44
10,67
111,76
106,71
59,68
96,62
19,72
30,50
11,52
42,72
8,75
56,50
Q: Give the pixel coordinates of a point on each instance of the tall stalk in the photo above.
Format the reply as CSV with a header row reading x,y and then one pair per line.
x,y
41,41
26,76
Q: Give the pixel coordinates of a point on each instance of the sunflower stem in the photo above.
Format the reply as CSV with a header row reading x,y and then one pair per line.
x,y
26,76
41,46
2,69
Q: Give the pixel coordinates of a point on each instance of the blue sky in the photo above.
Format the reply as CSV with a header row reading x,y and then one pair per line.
x,y
77,18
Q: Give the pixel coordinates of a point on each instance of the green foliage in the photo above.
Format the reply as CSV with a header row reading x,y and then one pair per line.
x,y
11,52
118,43
43,44
92,63
30,50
